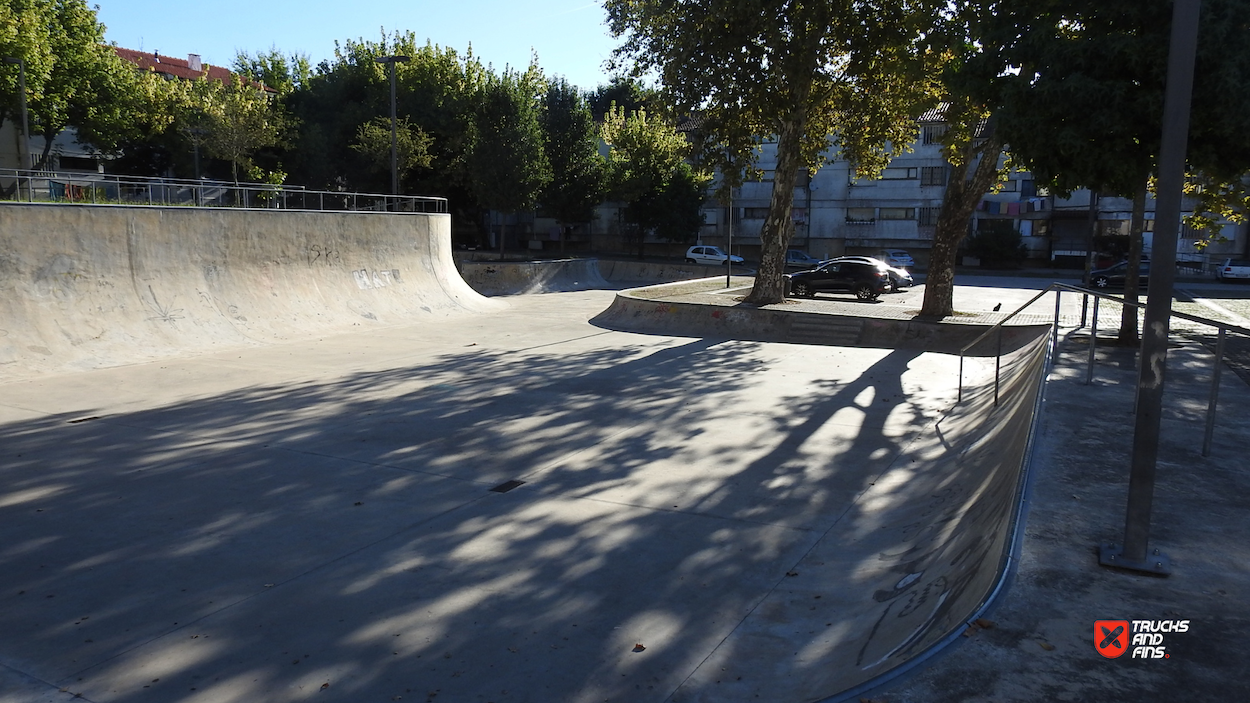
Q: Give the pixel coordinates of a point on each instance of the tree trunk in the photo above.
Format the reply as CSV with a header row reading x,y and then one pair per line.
x,y
962,196
1128,315
42,163
770,283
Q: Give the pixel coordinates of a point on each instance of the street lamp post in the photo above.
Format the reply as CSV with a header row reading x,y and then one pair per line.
x,y
392,60
21,85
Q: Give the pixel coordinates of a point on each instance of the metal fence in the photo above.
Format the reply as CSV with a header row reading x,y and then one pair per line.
x,y
109,189
1223,327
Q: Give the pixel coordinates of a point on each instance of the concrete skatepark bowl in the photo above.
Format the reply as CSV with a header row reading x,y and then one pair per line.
x,y
389,487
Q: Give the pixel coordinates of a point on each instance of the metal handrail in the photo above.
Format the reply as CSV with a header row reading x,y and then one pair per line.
x,y
1058,289
103,188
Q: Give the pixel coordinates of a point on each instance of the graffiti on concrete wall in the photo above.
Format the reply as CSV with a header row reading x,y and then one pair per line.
x,y
377,278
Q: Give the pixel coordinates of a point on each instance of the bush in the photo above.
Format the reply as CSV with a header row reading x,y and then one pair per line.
x,y
1000,247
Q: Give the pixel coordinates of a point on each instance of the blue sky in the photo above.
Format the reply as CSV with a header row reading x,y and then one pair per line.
x,y
570,36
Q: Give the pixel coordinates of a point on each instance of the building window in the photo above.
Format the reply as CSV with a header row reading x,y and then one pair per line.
x,y
933,175
860,215
932,133
899,174
929,216
754,213
897,213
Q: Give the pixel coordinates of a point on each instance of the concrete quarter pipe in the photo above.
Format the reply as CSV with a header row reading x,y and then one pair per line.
x,y
90,286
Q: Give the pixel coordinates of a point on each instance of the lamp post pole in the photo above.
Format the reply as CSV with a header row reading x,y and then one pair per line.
x,y
392,60
21,86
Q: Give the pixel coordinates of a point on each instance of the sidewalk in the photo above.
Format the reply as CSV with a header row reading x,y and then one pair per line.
x,y
1038,645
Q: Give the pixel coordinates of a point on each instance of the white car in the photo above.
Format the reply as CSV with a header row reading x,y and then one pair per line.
x,y
897,258
709,255
1233,269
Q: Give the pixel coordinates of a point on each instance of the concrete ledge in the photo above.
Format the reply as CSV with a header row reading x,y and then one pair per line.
x,y
665,309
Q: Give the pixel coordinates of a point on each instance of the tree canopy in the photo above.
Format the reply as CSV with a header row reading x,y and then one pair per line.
x,y
648,171
791,72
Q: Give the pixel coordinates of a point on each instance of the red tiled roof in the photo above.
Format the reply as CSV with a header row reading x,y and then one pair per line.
x,y
178,68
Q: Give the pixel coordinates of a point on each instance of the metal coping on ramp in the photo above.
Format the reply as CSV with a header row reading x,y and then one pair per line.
x,y
950,505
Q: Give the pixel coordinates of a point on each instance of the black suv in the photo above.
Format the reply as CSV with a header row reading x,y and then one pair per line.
x,y
863,279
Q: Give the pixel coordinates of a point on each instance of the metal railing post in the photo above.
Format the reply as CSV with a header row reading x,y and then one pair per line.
x,y
1215,394
960,397
1093,342
1054,338
998,364
1084,310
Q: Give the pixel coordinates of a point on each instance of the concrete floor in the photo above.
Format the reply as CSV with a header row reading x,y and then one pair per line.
x,y
315,518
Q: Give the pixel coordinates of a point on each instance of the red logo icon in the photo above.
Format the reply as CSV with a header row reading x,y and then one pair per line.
x,y
1111,637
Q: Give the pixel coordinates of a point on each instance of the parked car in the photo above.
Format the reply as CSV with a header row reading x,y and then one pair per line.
x,y
1114,276
709,255
899,278
800,260
897,258
1233,270
867,281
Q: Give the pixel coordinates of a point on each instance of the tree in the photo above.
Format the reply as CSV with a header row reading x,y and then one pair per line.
x,y
505,158
1106,62
241,119
647,170
72,78
626,93
412,144
796,73
572,148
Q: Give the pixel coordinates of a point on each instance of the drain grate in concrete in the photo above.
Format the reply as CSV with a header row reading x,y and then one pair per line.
x,y
506,486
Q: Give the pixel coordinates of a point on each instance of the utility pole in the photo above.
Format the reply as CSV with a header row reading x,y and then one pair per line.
x,y
392,60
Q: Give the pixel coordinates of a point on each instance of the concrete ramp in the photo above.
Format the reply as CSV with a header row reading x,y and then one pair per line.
x,y
528,277
91,286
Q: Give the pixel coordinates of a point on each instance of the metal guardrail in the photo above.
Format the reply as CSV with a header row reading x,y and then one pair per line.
x,y
104,188
1058,289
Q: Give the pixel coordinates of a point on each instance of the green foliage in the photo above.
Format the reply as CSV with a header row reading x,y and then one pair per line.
x,y
627,93
72,78
998,246
647,170
505,158
572,148
412,144
437,91
793,72
274,70
240,118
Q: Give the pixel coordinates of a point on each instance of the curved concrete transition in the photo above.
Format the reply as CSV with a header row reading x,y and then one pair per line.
x,y
90,286
525,277
920,554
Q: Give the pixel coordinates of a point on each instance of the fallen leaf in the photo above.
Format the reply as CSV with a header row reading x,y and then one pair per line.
x,y
984,624
639,647
1046,646
325,685
970,632
792,573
